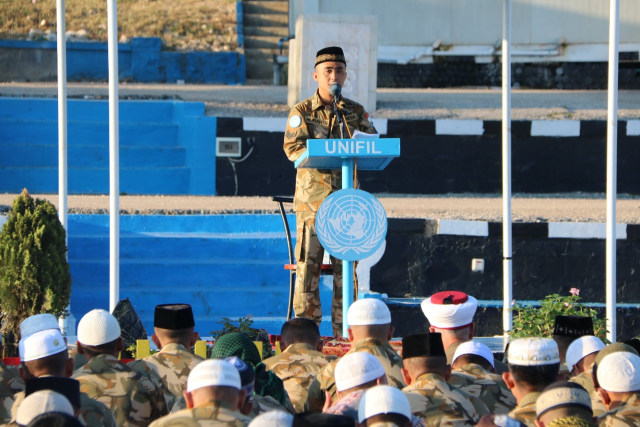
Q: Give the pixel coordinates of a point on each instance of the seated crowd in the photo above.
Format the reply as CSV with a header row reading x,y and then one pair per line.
x,y
442,376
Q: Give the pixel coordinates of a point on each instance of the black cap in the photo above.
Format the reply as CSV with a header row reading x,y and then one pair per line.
x,y
573,326
173,316
68,387
423,345
332,53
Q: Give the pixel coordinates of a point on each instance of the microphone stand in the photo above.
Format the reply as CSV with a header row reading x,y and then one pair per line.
x,y
339,117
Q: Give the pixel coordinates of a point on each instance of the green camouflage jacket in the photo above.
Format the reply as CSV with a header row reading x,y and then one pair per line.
x,y
297,366
214,413
311,119
132,397
525,412
627,414
172,364
10,380
390,360
585,379
487,386
446,405
91,413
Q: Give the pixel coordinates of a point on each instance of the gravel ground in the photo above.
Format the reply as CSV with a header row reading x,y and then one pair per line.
x,y
534,208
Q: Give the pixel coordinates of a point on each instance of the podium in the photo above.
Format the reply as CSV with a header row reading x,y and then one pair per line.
x,y
370,154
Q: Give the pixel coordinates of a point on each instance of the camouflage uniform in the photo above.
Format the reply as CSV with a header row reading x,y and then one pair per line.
x,y
585,379
627,414
390,360
312,187
259,403
10,380
172,365
525,412
445,405
91,413
213,413
487,386
132,397
6,403
297,366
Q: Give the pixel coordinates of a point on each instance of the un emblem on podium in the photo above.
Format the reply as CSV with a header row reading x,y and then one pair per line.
x,y
351,224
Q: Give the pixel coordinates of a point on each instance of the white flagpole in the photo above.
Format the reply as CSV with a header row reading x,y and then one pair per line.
x,y
612,165
507,315
114,166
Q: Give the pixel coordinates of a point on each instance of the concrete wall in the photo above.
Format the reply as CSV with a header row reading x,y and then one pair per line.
x,y
142,60
422,22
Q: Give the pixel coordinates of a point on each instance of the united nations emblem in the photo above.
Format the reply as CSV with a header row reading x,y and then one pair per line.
x,y
351,224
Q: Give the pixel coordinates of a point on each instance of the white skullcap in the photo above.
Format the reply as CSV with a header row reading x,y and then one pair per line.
x,y
581,347
98,327
213,372
368,311
562,394
41,344
619,372
357,368
42,402
383,399
37,323
449,309
473,347
274,418
533,352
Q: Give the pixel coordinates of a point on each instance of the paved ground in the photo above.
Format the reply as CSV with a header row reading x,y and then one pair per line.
x,y
270,101
560,208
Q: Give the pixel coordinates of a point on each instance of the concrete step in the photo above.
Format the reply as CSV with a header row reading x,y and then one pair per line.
x,y
265,42
45,131
260,63
174,180
261,7
277,31
269,20
89,156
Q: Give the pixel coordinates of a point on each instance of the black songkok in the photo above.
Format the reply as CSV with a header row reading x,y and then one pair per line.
x,y
423,345
573,326
332,53
173,316
68,387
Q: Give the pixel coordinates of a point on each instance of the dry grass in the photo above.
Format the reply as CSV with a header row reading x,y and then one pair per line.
x,y
182,25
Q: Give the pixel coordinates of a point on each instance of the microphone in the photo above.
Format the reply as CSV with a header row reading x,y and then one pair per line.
x,y
335,90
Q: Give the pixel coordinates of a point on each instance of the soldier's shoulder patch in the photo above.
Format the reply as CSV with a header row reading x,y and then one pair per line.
x,y
295,121
290,134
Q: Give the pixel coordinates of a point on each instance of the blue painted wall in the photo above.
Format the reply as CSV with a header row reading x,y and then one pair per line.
x,y
142,60
165,147
223,265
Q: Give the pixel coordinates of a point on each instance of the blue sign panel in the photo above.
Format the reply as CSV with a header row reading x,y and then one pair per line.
x,y
371,153
351,224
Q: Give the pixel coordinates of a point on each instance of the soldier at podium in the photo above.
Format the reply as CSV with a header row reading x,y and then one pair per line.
x,y
315,118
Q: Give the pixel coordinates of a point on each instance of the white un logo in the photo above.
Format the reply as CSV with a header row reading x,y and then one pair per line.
x,y
351,224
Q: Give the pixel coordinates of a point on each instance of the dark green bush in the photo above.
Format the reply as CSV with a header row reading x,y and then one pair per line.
x,y
34,272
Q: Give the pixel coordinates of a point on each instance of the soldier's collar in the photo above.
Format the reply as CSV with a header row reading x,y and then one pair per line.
x,y
529,399
317,103
172,346
300,346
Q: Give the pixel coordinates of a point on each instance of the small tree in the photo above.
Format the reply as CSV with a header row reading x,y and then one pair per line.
x,y
34,272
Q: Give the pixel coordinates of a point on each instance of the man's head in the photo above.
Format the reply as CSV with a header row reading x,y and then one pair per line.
x,y
424,354
618,377
300,330
369,318
563,400
214,379
384,404
534,363
173,323
582,352
99,333
358,371
473,352
451,313
44,353
330,66
42,402
568,328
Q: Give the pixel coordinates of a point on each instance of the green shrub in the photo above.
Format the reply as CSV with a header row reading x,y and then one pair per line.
x,y
538,320
34,272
